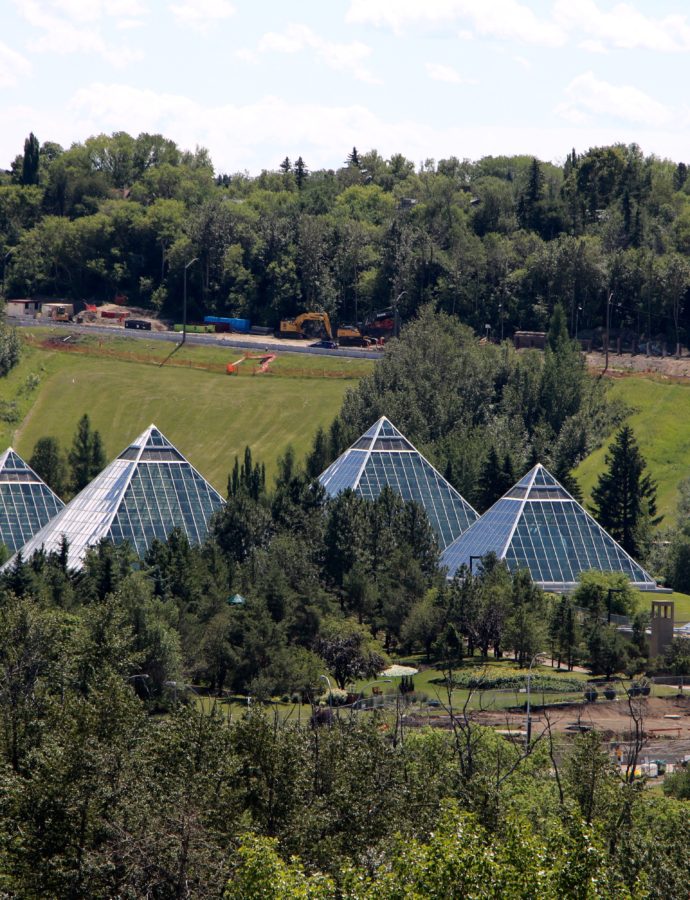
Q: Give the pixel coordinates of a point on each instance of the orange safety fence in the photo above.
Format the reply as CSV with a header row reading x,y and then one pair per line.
x,y
144,359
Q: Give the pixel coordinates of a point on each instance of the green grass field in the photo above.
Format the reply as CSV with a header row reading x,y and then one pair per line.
x,y
209,415
661,420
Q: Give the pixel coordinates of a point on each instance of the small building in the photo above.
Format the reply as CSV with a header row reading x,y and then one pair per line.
x,y
22,308
525,340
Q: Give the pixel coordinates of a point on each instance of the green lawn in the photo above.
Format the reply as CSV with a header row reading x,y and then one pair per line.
x,y
661,421
210,416
682,606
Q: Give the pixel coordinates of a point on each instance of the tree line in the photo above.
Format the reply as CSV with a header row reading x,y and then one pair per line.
x,y
497,242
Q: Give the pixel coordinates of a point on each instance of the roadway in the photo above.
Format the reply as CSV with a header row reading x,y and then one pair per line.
x,y
257,343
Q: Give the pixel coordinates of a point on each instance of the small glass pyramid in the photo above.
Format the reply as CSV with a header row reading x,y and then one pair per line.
x,y
383,456
538,526
143,494
26,501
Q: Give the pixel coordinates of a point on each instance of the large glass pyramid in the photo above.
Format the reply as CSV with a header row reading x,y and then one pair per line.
x,y
538,526
383,456
143,494
26,501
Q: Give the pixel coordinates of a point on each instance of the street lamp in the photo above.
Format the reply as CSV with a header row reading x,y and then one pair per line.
x,y
396,314
184,298
529,717
608,600
608,328
472,559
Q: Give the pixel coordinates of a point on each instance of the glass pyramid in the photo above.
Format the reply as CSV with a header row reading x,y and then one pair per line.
x,y
538,526
26,501
143,494
383,456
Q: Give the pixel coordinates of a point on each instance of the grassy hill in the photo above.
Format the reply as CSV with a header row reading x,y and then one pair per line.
x,y
208,414
660,418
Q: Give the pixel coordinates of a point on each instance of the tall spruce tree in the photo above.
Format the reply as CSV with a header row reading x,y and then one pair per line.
x,y
48,462
31,160
625,496
86,458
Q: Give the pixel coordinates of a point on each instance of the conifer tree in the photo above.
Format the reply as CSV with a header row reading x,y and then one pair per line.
x,y
625,496
31,159
86,458
48,463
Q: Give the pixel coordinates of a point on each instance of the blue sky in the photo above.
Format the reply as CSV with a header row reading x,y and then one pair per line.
x,y
256,81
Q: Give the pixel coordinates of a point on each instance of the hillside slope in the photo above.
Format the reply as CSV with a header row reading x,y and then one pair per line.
x,y
210,416
660,418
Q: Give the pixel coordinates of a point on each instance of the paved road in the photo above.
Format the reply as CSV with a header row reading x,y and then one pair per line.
x,y
255,344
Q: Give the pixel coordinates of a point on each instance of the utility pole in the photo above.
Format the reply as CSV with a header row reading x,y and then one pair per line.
x,y
184,299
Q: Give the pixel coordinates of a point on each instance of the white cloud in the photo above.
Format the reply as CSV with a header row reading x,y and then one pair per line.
x,y
522,61
505,19
257,135
341,57
201,14
588,97
13,66
74,26
439,72
623,27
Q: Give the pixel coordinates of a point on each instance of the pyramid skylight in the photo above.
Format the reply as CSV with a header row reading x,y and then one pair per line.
x,y
383,456
143,494
538,526
26,501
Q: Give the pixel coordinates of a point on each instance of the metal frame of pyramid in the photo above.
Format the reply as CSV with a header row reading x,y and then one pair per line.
x,y
383,456
538,525
27,504
143,494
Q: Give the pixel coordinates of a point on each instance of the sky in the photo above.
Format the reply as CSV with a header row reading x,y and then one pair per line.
x,y
257,81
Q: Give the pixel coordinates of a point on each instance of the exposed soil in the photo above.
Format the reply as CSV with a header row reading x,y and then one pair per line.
x,y
626,364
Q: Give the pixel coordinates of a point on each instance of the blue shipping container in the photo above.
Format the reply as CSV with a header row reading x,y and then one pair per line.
x,y
240,325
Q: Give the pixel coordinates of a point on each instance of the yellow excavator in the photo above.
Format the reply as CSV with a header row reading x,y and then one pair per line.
x,y
308,325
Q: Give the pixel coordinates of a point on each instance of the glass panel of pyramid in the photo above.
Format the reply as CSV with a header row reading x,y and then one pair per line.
x,y
26,501
383,456
143,494
538,526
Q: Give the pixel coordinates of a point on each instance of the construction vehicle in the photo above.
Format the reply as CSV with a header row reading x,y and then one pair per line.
x,y
380,324
308,325
58,312
352,336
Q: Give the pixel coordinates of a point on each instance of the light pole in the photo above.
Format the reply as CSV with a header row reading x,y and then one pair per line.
x,y
529,716
184,298
396,314
472,559
608,326
608,601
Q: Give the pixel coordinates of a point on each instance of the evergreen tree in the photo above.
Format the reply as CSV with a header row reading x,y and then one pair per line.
x,y
86,458
301,172
353,159
564,374
48,462
31,159
319,458
286,166
625,496
495,479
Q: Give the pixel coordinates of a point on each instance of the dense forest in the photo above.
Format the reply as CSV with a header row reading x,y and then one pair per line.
x,y
128,767
497,242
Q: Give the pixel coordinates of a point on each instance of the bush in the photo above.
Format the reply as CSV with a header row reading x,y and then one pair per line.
x,y
480,679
